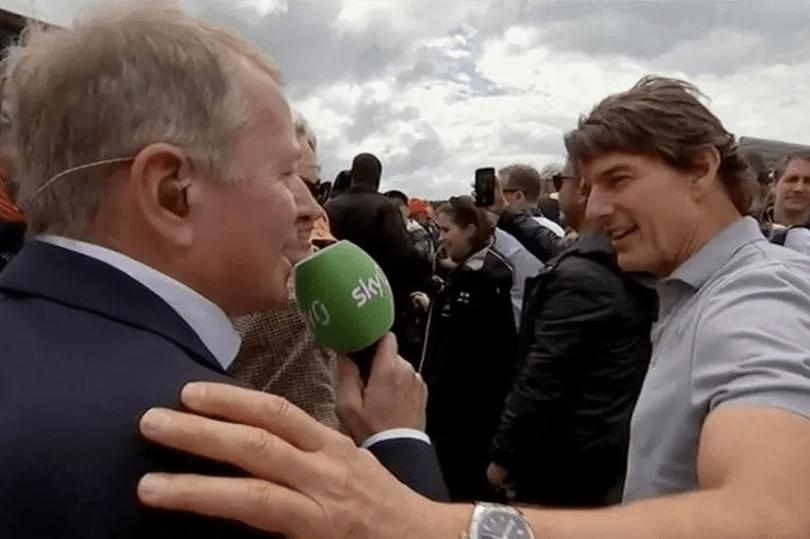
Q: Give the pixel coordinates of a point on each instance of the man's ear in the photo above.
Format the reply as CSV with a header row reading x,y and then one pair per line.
x,y
161,178
583,191
706,167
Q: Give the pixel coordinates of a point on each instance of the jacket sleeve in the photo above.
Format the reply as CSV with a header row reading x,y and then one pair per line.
x,y
537,239
574,302
405,263
415,464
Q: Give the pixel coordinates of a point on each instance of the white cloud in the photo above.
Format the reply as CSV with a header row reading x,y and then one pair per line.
x,y
440,87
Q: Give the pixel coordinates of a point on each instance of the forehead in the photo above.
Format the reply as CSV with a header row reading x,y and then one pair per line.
x,y
797,167
269,135
308,157
443,219
613,163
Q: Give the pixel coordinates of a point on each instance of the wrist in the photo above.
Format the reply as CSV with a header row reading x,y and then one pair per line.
x,y
442,520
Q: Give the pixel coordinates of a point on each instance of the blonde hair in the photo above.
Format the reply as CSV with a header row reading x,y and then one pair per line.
x,y
110,85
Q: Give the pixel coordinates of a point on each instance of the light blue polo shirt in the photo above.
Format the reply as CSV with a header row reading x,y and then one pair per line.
x,y
733,328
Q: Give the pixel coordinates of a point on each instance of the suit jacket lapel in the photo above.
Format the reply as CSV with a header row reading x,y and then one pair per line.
x,y
70,278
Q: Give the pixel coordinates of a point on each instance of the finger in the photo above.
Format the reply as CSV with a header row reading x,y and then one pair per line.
x,y
268,412
257,503
385,358
348,393
250,448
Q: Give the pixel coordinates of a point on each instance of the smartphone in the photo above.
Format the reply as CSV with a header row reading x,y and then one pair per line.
x,y
484,187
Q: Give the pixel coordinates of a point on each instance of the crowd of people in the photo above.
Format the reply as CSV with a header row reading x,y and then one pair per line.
x,y
619,346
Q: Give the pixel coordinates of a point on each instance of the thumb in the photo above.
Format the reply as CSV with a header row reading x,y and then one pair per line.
x,y
385,358
348,391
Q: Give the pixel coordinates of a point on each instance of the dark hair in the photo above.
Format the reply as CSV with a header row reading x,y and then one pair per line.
x,y
342,182
759,167
784,163
366,171
663,117
463,212
523,178
398,196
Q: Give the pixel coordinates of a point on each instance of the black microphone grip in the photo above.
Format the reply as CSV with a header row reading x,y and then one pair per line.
x,y
364,358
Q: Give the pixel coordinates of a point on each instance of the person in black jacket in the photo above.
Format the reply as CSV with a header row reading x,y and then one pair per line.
x,y
563,435
368,219
468,363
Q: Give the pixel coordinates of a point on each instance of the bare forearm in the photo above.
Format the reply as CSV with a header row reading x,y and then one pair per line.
x,y
704,515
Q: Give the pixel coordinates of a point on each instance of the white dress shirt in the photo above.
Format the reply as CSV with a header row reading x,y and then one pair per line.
x,y
208,321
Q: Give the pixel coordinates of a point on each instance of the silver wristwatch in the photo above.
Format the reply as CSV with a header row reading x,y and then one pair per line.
x,y
494,521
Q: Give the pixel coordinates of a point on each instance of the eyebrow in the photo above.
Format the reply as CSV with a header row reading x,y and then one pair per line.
x,y
616,169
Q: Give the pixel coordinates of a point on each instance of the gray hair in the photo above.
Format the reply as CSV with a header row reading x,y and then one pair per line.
x,y
109,85
304,131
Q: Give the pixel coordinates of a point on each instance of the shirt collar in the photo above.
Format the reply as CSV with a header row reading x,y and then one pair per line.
x,y
208,321
714,255
476,260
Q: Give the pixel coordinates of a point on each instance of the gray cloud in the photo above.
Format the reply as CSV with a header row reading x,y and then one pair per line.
x,y
431,41
684,35
373,116
413,153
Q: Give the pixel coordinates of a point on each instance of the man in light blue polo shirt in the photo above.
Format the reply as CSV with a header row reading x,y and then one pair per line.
x,y
720,440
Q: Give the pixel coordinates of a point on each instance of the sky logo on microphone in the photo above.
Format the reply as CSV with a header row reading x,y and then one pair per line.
x,y
317,314
370,288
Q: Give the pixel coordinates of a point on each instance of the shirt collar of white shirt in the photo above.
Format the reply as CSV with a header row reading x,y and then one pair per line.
x,y
208,321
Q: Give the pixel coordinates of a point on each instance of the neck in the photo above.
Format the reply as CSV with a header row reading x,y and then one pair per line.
x,y
711,222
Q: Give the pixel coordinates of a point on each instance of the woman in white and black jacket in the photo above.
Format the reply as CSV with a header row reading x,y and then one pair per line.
x,y
468,360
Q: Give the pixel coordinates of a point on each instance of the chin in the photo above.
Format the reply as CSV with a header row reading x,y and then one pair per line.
x,y
297,253
631,262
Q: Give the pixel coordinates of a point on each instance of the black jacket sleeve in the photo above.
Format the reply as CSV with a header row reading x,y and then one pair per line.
x,y
415,464
411,271
537,239
574,301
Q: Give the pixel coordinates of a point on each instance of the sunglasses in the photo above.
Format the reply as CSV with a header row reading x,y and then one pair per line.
x,y
559,179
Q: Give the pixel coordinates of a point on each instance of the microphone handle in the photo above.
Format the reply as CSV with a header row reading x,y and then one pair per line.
x,y
364,359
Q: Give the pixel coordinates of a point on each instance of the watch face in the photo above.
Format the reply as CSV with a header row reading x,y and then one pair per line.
x,y
500,524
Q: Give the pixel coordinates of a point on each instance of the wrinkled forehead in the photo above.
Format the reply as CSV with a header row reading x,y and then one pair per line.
x,y
797,167
602,166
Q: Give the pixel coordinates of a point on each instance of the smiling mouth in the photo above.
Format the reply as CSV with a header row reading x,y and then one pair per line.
x,y
618,235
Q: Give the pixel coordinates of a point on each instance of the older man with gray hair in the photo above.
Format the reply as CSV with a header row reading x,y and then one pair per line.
x,y
156,161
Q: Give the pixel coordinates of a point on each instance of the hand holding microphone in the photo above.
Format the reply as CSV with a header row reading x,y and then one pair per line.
x,y
348,301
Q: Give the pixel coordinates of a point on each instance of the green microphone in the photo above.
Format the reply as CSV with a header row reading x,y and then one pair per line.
x,y
347,299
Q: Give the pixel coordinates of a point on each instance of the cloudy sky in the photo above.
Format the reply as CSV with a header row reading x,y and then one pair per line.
x,y
437,88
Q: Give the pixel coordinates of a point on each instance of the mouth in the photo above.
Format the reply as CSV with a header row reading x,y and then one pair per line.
x,y
618,234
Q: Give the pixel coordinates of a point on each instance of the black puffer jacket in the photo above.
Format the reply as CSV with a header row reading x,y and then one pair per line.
x,y
564,431
469,367
537,239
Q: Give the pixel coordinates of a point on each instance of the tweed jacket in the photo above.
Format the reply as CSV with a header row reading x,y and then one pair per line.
x,y
279,356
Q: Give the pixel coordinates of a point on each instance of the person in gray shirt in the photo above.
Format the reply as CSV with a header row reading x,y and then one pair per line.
x,y
720,439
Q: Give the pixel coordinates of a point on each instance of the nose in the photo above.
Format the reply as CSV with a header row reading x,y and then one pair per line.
x,y
598,207
306,206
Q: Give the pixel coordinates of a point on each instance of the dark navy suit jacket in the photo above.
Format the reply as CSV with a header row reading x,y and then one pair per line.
x,y
84,351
